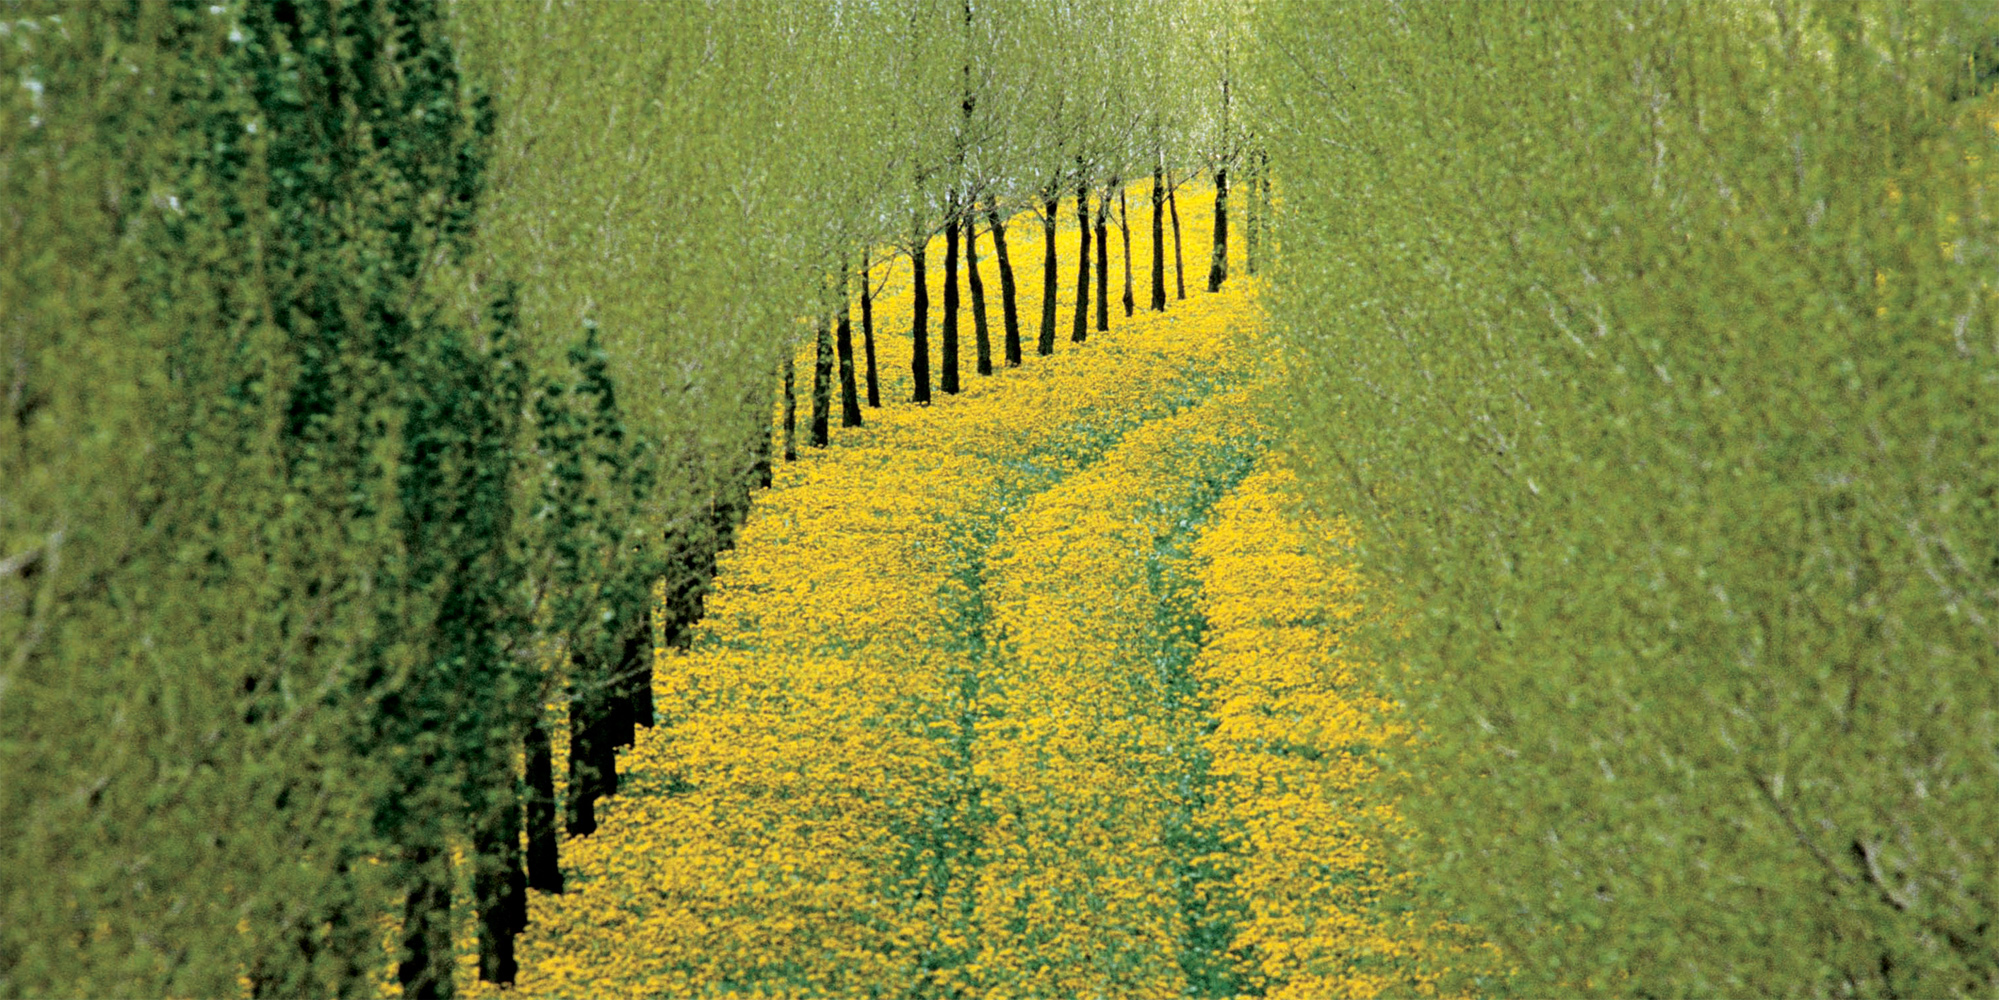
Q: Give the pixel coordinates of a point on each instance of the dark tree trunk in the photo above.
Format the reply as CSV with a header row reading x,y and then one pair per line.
x,y
1103,264
1082,329
790,404
425,968
584,731
1252,222
1124,231
1218,266
868,332
1179,263
919,329
499,889
620,716
1158,239
760,444
635,683
544,868
981,333
1008,313
822,385
949,379
1052,205
843,344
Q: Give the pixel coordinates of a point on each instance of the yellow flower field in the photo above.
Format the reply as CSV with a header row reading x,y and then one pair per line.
x,y
984,704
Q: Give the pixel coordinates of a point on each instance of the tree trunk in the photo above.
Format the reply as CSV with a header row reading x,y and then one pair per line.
x,y
1218,267
1103,264
635,683
499,889
583,732
1082,329
919,329
843,344
868,331
544,868
1252,221
760,443
1009,315
1046,345
425,968
1124,230
1158,238
822,385
1179,264
950,372
981,334
790,404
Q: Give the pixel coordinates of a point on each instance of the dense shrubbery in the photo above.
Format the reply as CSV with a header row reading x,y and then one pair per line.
x,y
1654,346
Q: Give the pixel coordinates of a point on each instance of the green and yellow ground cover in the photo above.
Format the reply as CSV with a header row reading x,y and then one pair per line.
x,y
1035,692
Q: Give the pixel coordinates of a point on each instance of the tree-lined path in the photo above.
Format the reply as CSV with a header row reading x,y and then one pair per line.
x,y
962,716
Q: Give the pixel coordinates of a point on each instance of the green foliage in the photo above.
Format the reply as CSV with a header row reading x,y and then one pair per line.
x,y
1655,346
256,634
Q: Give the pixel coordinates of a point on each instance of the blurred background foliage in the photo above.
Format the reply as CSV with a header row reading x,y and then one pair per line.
x,y
1655,347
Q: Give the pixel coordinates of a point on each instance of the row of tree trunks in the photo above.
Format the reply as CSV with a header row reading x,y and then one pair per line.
x,y
605,709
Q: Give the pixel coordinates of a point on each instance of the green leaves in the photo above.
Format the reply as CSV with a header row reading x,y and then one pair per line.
x,y
1634,335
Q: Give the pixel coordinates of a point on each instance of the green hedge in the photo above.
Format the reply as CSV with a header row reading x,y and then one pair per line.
x,y
1655,346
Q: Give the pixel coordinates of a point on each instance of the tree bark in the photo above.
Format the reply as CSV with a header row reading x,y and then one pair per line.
x,y
634,685
1046,345
1103,264
499,889
1179,264
425,968
843,344
790,404
950,372
1008,313
584,731
1158,238
1124,230
544,868
822,384
976,284
1218,266
868,331
760,443
1252,222
1082,329
919,329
